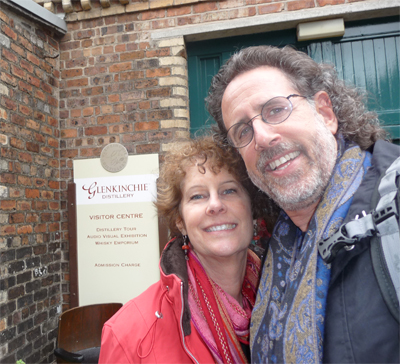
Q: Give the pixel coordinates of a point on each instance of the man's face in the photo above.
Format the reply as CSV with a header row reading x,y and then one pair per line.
x,y
292,161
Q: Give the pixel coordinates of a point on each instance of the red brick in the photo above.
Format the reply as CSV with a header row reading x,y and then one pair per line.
x,y
40,95
159,72
133,75
205,7
26,65
17,218
25,157
46,130
93,71
32,147
70,153
151,125
32,58
54,184
120,67
18,72
164,23
8,178
187,20
179,10
7,205
153,14
9,55
33,80
25,181
48,195
113,98
40,228
300,4
32,217
52,101
88,111
120,48
25,43
76,113
78,82
9,32
41,205
24,87
96,130
71,73
159,92
108,119
93,91
25,110
132,55
5,77
147,148
69,133
18,119
153,53
46,87
4,17
27,229
30,193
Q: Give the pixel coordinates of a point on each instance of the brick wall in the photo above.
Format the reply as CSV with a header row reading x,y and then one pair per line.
x,y
30,207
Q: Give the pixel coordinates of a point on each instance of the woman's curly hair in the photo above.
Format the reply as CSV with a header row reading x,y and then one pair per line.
x,y
356,123
198,152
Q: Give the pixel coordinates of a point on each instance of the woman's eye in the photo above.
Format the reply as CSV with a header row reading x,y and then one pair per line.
x,y
229,191
196,197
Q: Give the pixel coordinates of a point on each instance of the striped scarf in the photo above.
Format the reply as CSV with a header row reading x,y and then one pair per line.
x,y
220,320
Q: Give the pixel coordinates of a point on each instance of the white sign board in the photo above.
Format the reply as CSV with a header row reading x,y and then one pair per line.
x,y
117,229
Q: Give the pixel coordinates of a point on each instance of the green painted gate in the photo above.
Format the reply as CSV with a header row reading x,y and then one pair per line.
x,y
368,55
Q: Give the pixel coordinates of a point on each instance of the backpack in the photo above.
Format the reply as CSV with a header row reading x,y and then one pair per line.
x,y
382,223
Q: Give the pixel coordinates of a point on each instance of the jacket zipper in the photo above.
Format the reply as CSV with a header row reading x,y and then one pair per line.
x,y
181,327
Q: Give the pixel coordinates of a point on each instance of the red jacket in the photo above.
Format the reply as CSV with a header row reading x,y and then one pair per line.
x,y
135,327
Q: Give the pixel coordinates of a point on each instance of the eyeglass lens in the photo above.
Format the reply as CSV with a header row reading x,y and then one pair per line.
x,y
275,111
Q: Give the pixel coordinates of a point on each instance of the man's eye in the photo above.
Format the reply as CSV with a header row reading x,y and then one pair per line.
x,y
243,130
274,111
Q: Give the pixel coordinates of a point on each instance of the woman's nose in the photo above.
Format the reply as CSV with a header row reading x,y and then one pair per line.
x,y
215,205
265,135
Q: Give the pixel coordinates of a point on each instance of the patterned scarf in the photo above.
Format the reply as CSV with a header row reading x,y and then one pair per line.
x,y
219,319
287,325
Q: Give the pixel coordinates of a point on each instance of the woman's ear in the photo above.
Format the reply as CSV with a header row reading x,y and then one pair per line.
x,y
181,226
323,105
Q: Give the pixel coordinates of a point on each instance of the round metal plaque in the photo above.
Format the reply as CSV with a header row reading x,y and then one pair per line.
x,y
114,157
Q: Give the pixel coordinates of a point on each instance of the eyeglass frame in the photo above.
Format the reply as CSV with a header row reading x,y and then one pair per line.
x,y
265,121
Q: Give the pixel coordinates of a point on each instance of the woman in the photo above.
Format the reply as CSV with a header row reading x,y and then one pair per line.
x,y
200,309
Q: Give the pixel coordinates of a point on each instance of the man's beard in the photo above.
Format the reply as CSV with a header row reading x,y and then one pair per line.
x,y
306,186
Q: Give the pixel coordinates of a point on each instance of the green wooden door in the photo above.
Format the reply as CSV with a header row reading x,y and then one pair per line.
x,y
368,55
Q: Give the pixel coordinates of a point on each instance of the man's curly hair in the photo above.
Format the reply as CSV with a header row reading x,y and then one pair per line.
x,y
198,152
356,123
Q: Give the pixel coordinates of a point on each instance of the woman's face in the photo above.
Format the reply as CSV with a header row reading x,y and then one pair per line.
x,y
216,214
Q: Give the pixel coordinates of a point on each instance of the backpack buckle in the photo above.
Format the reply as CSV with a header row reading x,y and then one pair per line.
x,y
384,214
329,247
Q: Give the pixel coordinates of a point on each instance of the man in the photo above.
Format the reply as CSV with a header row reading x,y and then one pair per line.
x,y
309,143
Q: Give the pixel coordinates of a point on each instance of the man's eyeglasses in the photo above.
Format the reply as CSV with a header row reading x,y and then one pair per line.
x,y
274,111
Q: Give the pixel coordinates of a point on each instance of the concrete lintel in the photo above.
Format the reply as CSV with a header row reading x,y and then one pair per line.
x,y
280,21
38,13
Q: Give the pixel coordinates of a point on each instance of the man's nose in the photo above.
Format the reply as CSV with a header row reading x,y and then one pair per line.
x,y
265,135
215,205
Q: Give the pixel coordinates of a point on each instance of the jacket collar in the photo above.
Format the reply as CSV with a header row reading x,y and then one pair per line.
x,y
172,265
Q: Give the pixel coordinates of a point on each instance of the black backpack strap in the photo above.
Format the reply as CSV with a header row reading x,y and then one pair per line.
x,y
386,259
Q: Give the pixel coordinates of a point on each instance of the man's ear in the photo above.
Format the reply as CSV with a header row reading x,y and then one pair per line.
x,y
324,107
181,226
